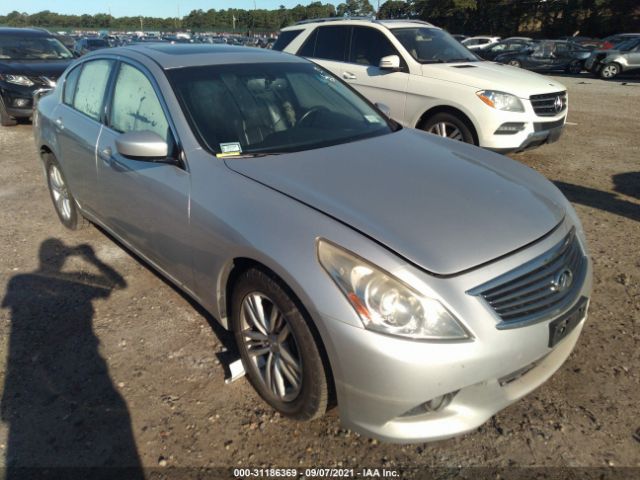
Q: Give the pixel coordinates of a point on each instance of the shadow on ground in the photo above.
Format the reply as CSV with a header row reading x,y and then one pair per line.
x,y
58,401
627,184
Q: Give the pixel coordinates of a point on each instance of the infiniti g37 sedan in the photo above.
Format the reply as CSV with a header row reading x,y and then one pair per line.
x,y
419,283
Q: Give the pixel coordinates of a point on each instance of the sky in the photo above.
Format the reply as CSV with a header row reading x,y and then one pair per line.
x,y
150,8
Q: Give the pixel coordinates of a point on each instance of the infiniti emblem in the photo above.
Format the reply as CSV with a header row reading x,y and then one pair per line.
x,y
558,104
562,281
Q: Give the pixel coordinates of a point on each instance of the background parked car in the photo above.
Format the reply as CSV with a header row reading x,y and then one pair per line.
x,y
490,52
459,37
431,82
548,56
86,45
31,60
474,43
625,57
612,40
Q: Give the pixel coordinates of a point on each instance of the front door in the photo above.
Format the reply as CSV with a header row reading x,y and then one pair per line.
x,y
144,202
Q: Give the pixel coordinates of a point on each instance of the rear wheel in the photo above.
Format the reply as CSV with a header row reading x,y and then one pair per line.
x,y
63,201
448,125
5,119
514,63
279,353
609,70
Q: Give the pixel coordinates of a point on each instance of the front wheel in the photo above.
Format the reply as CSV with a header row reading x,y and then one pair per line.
x,y
609,71
450,126
278,350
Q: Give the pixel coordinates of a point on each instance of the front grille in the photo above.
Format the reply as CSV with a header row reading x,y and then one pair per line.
x,y
542,126
539,289
549,104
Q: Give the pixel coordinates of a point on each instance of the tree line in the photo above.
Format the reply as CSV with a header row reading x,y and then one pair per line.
x,y
549,18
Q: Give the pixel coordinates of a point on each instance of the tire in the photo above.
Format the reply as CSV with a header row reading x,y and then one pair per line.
x,y
514,63
609,71
63,202
450,122
5,119
257,291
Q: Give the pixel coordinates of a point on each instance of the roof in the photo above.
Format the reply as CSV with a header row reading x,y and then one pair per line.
x,y
399,23
25,32
168,55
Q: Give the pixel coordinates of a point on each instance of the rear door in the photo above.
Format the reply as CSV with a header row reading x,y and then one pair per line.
x,y
78,127
144,202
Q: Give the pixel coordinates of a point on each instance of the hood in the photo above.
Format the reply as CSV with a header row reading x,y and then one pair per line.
x,y
443,205
35,68
493,76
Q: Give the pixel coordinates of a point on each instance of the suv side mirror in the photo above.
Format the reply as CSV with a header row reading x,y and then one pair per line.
x,y
143,145
391,62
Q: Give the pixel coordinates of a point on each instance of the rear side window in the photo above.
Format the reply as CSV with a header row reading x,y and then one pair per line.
x,y
91,86
368,46
330,44
70,84
285,38
135,104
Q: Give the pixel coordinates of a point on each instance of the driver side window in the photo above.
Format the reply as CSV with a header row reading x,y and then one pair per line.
x,y
135,106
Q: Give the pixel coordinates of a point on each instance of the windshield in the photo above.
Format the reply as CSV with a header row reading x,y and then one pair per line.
x,y
431,45
32,48
272,108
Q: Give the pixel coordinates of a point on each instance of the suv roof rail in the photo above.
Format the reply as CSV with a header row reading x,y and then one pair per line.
x,y
385,20
331,19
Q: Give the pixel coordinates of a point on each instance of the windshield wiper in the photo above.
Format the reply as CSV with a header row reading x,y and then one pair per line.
x,y
253,155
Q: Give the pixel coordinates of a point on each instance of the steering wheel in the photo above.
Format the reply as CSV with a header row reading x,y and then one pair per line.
x,y
311,114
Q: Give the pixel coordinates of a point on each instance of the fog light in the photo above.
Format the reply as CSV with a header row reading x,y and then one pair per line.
x,y
436,404
509,128
21,102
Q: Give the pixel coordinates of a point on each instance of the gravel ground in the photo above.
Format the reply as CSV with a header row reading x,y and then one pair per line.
x,y
134,375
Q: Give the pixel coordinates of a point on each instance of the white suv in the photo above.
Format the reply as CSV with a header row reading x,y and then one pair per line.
x,y
429,81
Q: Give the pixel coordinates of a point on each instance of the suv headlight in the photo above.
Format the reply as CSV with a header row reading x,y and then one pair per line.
x,y
384,303
17,80
501,100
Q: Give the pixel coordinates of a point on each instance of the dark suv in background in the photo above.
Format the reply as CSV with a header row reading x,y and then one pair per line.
x,y
31,60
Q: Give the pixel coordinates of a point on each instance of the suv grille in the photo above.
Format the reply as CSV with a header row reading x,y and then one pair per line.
x,y
539,289
549,104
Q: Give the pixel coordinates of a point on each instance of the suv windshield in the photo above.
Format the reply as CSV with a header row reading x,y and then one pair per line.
x,y
265,108
32,48
432,45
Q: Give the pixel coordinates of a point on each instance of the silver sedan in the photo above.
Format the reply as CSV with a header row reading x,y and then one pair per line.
x,y
421,284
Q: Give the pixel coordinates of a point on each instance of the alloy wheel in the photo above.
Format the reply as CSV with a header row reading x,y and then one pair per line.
x,y
609,71
61,196
271,346
446,129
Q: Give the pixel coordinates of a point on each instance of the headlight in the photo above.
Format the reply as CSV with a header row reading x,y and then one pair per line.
x,y
383,302
501,100
17,80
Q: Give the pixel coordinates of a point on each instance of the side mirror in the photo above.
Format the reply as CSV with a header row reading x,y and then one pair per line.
x,y
384,109
144,145
391,62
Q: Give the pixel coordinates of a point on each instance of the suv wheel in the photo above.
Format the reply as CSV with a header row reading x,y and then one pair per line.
x,y
609,70
5,119
448,125
63,200
279,353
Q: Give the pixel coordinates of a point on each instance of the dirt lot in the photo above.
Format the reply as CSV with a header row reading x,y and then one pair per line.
x,y
134,376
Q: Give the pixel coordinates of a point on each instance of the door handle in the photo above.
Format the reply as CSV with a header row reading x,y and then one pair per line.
x,y
58,123
349,76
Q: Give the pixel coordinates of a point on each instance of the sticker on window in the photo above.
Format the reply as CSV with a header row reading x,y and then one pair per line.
x,y
372,119
229,149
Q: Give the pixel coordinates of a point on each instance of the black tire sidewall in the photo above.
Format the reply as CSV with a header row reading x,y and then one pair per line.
x,y
74,219
312,400
450,118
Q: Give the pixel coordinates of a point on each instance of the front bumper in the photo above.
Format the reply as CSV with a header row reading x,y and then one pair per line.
x,y
540,136
383,379
18,100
